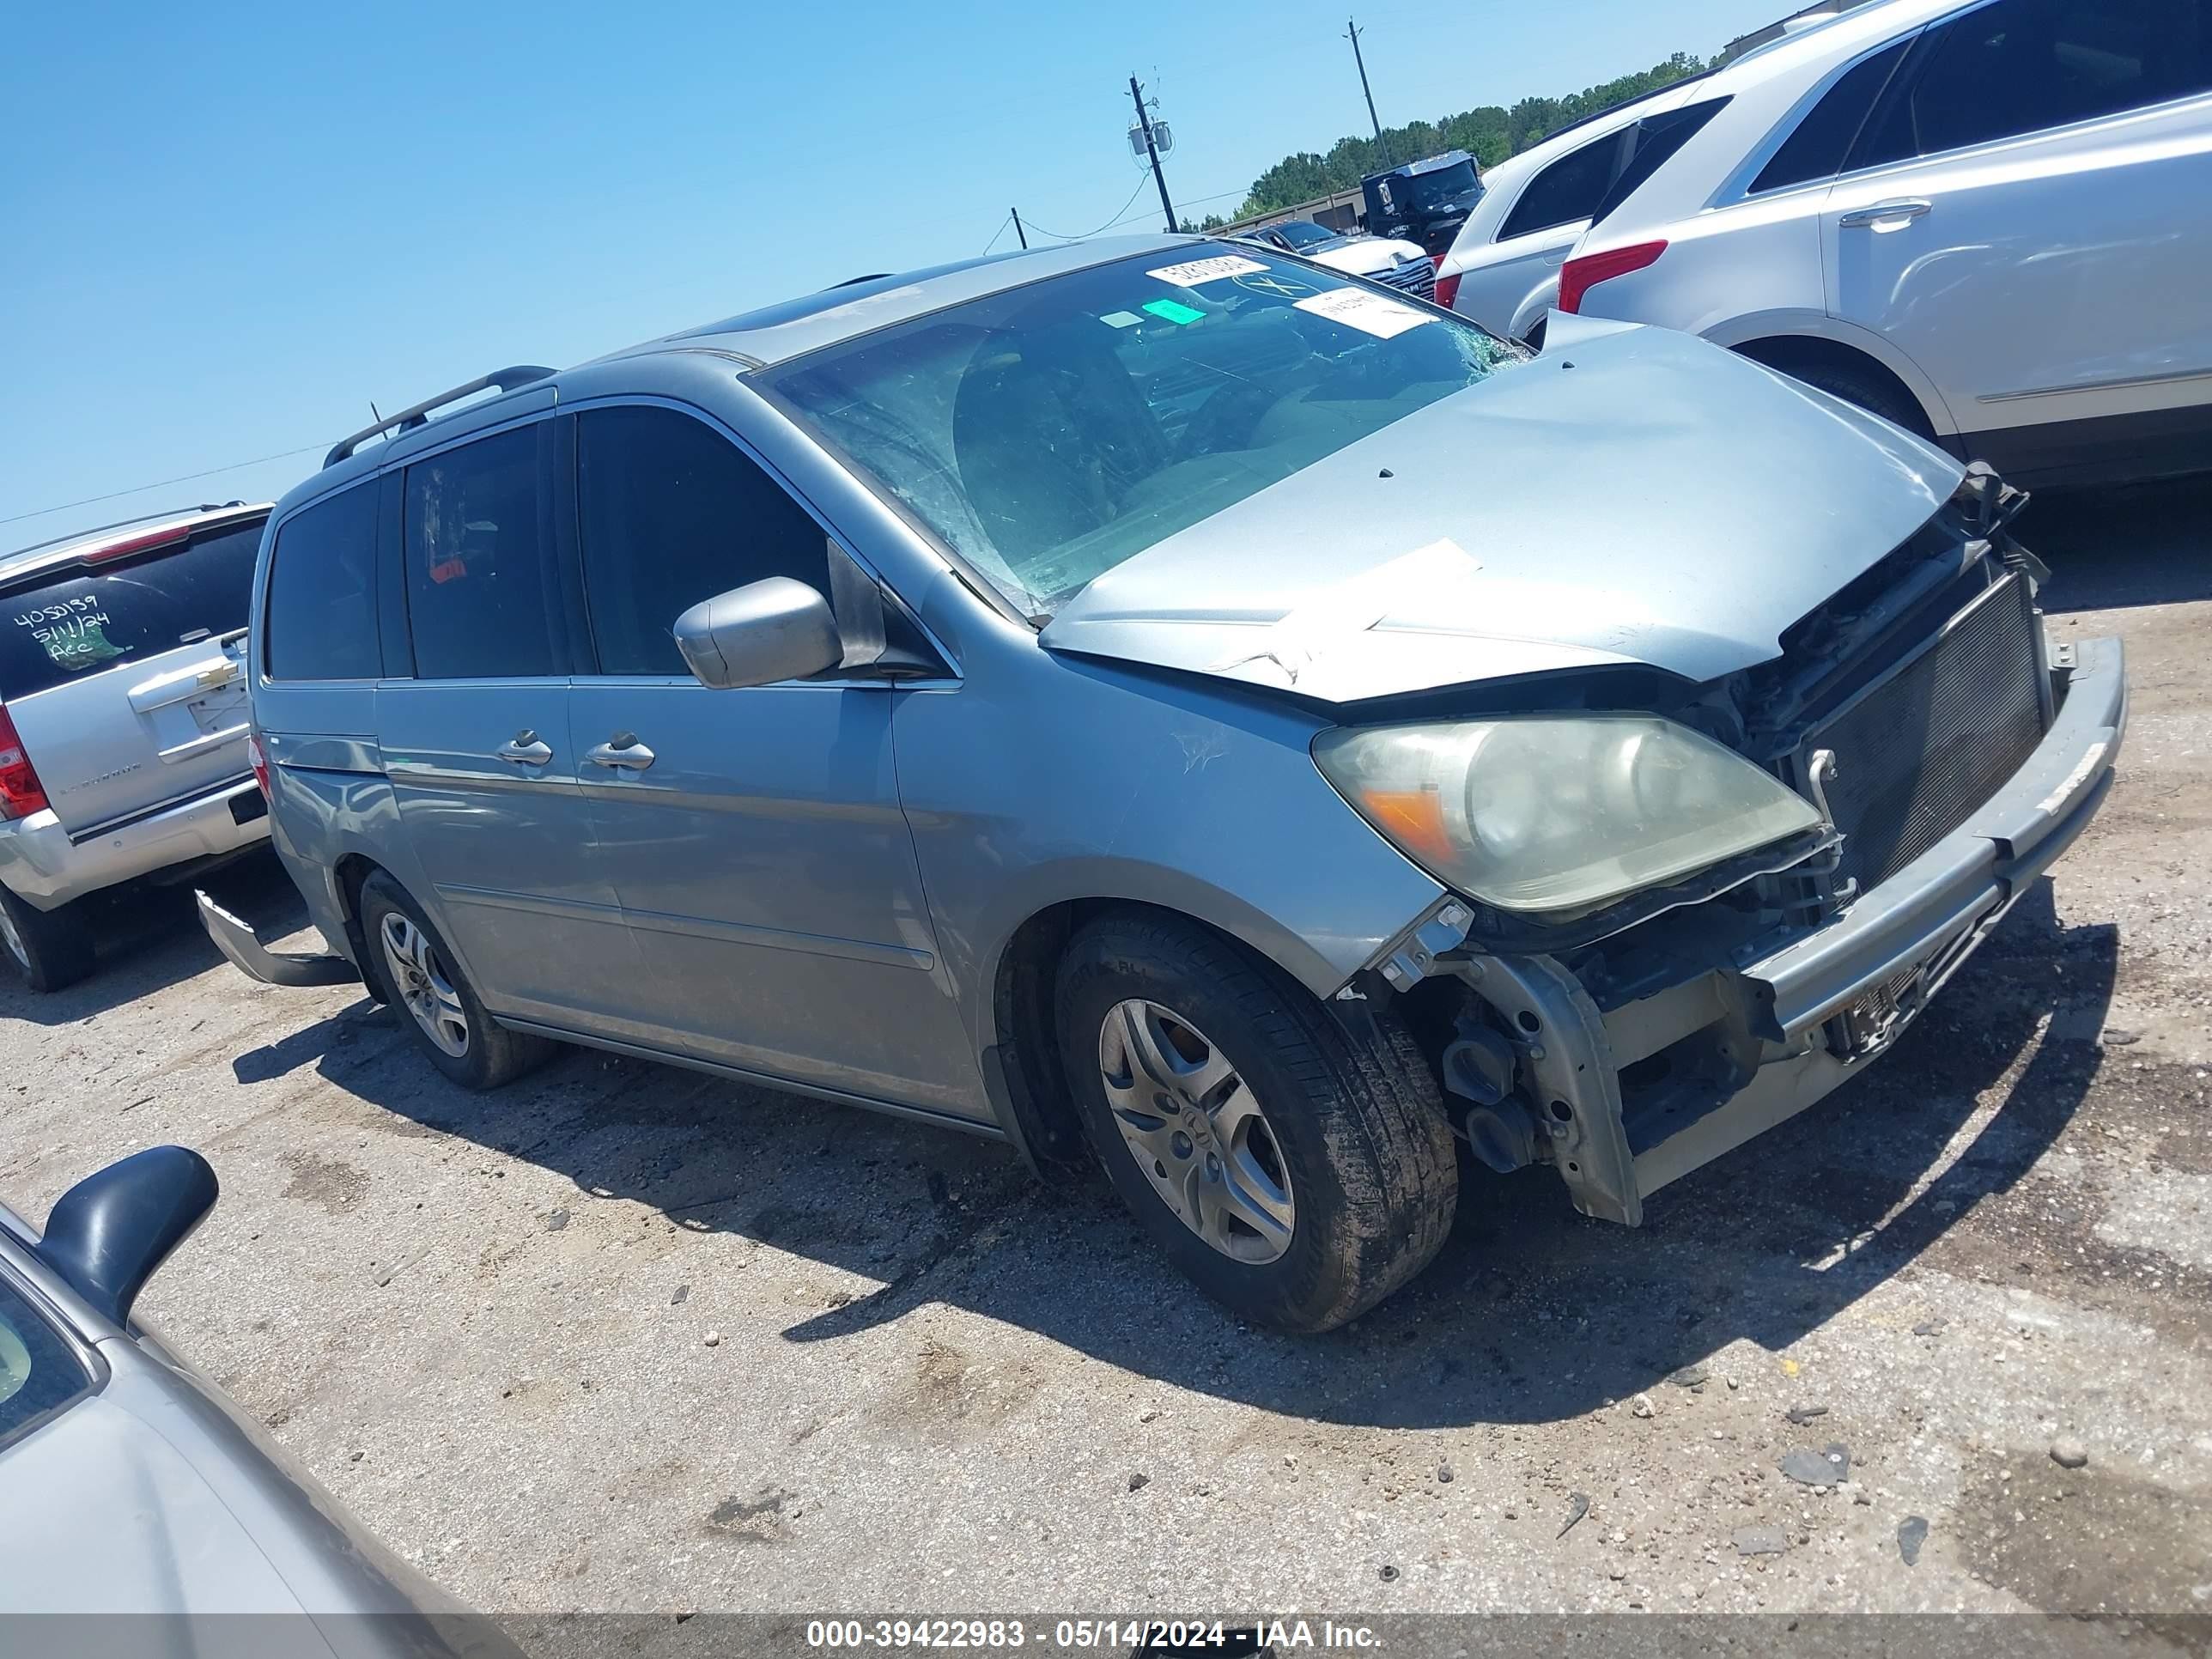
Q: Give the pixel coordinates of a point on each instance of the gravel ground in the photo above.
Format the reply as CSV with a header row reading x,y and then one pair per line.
x,y
622,1337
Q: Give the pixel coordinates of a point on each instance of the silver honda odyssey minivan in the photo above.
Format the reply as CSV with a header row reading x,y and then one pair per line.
x,y
1163,702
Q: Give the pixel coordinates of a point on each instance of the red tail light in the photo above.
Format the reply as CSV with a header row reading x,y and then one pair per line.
x,y
1578,276
1447,290
21,792
260,762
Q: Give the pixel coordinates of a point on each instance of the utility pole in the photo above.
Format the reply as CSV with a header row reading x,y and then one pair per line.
x,y
1351,33
1145,120
1018,232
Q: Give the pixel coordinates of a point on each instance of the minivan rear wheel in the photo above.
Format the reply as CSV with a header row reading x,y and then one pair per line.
x,y
1296,1173
417,976
53,948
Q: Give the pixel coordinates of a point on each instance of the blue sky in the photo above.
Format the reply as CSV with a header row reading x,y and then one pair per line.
x,y
228,229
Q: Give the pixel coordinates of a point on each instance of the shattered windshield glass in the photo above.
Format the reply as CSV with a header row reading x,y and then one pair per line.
x,y
1049,432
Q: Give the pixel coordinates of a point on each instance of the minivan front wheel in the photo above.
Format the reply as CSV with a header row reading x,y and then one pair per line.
x,y
416,975
1295,1173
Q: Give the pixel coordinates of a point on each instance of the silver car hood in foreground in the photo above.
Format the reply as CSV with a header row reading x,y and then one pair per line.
x,y
1631,496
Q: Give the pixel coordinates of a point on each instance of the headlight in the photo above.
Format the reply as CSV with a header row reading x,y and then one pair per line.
x,y
1546,813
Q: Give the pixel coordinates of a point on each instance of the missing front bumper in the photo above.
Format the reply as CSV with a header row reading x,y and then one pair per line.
x,y
1773,1034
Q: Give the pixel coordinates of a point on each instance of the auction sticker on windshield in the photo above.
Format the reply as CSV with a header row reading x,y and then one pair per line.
x,y
1372,314
1192,272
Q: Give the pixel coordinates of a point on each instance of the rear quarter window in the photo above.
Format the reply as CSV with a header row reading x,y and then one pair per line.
x,y
1569,189
320,621
83,620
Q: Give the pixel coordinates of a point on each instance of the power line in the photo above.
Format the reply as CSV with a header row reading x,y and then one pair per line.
x,y
163,484
1108,225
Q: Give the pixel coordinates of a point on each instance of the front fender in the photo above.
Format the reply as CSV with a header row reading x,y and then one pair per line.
x,y
1050,779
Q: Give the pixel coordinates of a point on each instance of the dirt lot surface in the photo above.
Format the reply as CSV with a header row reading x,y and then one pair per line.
x,y
623,1337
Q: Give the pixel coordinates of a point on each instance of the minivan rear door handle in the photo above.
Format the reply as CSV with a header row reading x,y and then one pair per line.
x,y
1883,213
622,752
527,748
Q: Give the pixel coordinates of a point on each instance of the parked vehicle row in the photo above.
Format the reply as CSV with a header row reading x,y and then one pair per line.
x,y
1166,704
1985,223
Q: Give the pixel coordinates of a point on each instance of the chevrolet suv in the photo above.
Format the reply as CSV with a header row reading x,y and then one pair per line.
x,y
123,721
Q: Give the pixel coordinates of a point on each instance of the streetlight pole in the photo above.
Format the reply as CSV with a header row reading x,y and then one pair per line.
x,y
1145,120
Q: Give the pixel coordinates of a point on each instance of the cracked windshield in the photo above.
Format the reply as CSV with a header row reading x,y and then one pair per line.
x,y
1048,434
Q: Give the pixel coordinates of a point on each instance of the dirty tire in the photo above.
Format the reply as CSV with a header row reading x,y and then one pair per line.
x,y
1867,391
53,948
1362,1136
494,1056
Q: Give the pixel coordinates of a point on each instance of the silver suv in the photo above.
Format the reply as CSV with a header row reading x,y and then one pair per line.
x,y
123,720
1167,696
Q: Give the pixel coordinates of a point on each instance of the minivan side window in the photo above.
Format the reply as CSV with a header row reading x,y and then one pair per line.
x,y
2020,66
482,598
1569,189
320,622
1817,148
670,512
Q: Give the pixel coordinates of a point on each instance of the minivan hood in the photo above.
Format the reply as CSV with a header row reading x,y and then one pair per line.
x,y
1632,496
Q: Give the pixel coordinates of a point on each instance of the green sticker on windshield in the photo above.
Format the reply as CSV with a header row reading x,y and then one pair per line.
x,y
1174,310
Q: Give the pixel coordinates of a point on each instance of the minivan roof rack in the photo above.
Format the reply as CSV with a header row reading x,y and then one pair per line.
x,y
505,379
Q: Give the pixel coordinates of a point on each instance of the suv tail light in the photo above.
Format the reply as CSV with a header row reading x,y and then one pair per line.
x,y
21,792
1578,276
260,762
1448,290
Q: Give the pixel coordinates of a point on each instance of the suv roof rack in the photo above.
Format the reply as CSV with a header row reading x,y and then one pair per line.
x,y
505,379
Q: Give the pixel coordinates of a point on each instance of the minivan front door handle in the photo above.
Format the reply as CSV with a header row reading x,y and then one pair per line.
x,y
526,748
1883,213
622,752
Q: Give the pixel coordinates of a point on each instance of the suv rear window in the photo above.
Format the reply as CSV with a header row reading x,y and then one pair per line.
x,y
1569,189
321,620
81,619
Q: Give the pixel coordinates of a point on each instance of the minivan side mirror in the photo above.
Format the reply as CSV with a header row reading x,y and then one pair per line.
x,y
107,1235
773,630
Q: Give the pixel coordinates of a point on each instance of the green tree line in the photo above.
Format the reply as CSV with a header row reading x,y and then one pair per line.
x,y
1490,133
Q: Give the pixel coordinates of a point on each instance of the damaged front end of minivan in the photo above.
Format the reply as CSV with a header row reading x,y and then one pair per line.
x,y
1669,930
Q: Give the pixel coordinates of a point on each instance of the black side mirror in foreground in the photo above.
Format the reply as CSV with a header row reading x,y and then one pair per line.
x,y
108,1234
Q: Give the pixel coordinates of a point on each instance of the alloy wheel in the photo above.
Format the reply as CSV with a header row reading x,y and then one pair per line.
x,y
14,940
1196,1131
421,981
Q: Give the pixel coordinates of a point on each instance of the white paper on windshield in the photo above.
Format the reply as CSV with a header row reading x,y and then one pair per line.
x,y
1370,313
1192,272
1121,319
